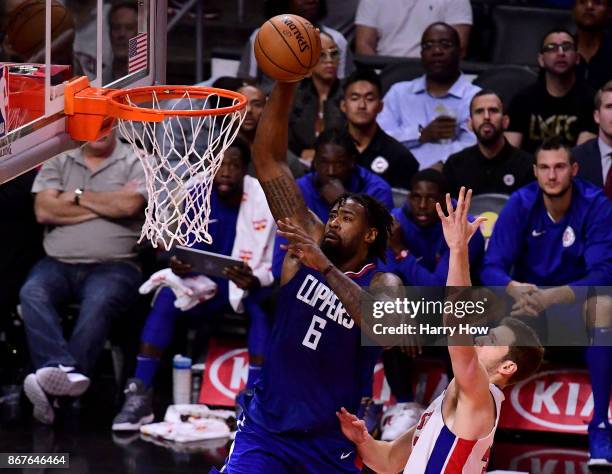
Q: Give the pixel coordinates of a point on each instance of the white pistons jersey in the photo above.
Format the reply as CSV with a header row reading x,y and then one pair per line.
x,y
436,450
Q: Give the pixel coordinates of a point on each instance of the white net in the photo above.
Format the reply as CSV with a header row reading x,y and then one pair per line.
x,y
181,156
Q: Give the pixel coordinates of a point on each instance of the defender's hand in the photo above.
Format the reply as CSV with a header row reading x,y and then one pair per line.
x,y
456,228
352,427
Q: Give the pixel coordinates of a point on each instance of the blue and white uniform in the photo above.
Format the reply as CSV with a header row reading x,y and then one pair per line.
x,y
315,364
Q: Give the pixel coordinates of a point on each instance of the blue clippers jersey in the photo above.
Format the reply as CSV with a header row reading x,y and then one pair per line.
x,y
527,246
314,362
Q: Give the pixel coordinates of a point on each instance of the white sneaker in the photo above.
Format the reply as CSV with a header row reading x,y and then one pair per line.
x,y
399,418
43,411
60,381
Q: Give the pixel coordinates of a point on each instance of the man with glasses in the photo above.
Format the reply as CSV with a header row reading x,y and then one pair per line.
x,y
430,114
559,104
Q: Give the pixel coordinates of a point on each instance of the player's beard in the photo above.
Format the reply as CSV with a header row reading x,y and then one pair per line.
x,y
331,250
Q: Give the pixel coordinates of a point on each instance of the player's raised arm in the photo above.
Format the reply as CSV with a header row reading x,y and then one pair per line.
x,y
470,376
270,158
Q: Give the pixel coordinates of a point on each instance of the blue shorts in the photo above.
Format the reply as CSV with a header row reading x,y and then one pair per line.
x,y
257,451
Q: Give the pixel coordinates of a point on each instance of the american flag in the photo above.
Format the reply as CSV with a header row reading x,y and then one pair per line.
x,y
137,53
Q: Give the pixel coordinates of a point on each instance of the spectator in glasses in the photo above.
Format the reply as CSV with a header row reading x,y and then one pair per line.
x,y
559,104
316,106
430,114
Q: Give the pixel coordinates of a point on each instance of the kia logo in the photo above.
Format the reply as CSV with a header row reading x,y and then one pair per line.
x,y
552,461
559,400
228,373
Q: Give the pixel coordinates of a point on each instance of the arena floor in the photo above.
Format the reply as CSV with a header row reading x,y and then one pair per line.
x,y
84,432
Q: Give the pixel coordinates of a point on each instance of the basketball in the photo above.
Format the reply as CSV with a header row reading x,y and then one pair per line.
x,y
287,47
26,26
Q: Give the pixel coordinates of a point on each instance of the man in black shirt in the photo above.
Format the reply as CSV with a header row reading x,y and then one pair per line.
x,y
558,104
492,165
378,152
594,41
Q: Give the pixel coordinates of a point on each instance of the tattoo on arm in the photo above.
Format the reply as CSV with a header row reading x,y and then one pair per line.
x,y
349,293
284,197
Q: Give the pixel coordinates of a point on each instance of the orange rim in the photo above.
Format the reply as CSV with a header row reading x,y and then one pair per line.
x,y
119,108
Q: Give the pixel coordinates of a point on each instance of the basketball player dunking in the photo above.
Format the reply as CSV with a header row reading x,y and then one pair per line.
x,y
314,362
455,433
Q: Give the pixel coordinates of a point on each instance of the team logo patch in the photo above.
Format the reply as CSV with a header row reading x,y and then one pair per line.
x,y
569,237
379,165
509,179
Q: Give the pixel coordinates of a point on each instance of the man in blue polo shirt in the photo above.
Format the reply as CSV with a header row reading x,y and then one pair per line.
x,y
335,172
556,232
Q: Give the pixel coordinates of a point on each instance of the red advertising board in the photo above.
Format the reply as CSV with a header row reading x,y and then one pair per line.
x,y
554,400
227,368
538,459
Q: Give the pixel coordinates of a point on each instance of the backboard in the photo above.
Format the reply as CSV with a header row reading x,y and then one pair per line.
x,y
45,43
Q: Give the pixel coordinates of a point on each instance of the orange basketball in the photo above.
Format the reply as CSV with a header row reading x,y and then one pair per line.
x,y
287,47
26,26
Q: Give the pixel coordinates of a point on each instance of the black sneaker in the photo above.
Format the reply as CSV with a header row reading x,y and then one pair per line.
x,y
137,409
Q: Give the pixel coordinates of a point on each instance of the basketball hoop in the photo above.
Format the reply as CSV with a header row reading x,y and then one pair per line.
x,y
179,133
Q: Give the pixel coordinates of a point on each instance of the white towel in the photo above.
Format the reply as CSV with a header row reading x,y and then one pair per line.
x,y
254,243
189,291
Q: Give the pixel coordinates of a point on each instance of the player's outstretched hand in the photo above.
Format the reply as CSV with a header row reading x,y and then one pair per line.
x,y
352,427
302,245
457,229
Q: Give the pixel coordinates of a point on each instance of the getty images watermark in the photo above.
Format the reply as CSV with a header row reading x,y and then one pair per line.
x,y
396,311
435,316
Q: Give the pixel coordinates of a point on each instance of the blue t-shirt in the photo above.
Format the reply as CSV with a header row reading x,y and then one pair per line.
x,y
362,181
315,363
427,262
527,246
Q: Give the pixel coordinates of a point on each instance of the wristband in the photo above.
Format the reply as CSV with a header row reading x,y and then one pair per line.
x,y
327,270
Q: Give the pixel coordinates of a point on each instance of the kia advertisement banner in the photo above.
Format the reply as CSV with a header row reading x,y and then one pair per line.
x,y
553,400
538,459
227,367
225,373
